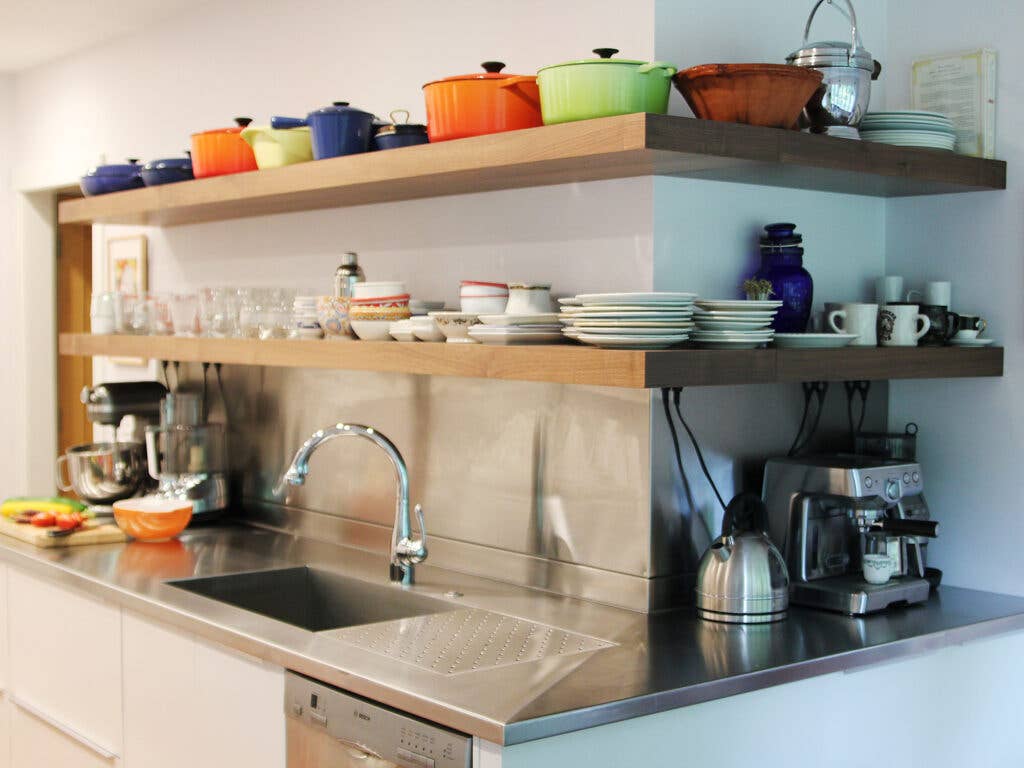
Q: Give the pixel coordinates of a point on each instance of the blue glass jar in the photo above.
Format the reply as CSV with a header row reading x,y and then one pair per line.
x,y
782,264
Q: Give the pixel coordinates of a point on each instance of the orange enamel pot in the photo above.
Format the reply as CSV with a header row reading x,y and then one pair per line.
x,y
481,103
222,151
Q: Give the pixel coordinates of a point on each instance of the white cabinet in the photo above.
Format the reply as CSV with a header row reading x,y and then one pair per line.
x,y
191,703
5,732
36,743
65,662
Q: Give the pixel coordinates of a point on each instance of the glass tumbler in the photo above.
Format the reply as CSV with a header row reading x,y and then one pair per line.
x,y
185,314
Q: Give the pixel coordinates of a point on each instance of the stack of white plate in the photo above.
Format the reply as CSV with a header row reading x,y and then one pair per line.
x,y
517,329
734,324
629,320
909,128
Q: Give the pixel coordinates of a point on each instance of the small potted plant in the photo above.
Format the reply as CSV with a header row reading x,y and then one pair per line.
x,y
758,290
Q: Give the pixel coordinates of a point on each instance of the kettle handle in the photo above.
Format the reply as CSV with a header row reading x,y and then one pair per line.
x,y
850,17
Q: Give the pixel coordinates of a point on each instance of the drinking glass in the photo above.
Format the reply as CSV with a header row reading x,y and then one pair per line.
x,y
160,322
185,314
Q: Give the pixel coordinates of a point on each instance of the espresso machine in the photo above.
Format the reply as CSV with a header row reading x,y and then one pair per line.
x,y
187,455
822,511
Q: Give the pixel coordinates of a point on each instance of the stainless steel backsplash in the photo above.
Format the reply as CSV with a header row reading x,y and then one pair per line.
x,y
568,488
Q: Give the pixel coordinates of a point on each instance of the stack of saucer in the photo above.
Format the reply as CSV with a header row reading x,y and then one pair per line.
x,y
734,324
536,328
909,128
629,320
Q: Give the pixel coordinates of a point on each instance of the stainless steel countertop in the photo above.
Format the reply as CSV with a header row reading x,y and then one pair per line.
x,y
659,662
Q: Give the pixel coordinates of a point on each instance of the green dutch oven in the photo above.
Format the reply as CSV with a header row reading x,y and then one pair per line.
x,y
580,90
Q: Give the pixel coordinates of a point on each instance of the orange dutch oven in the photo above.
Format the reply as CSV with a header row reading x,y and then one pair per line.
x,y
222,151
485,102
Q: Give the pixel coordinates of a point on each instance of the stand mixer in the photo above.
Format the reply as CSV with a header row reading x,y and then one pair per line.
x,y
821,510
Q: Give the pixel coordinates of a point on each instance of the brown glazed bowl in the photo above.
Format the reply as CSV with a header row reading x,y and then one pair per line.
x,y
771,95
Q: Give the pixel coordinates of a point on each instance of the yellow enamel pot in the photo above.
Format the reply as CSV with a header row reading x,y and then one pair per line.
x,y
275,147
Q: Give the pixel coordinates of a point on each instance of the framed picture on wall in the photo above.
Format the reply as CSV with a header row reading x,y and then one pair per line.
x,y
127,274
126,265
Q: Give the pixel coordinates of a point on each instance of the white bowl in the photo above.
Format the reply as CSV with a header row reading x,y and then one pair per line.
x,y
421,306
480,288
372,330
425,329
380,288
528,299
483,305
455,325
401,330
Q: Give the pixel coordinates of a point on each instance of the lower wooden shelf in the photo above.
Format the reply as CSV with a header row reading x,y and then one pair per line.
x,y
560,363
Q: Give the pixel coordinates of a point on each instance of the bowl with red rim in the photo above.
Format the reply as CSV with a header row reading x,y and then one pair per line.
x,y
378,288
483,298
390,308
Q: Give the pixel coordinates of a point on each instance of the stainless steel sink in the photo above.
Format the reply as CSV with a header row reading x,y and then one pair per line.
x,y
312,598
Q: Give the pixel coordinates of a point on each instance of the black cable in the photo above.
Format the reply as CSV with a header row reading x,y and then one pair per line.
x,y
163,366
676,395
220,388
808,392
817,390
672,430
854,388
206,407
177,376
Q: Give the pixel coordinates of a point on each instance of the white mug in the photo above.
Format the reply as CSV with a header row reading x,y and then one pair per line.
x,y
877,568
528,299
901,325
937,293
861,319
103,312
889,289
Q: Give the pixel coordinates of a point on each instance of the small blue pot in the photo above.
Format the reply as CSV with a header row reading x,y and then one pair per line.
x,y
340,130
167,171
395,136
117,177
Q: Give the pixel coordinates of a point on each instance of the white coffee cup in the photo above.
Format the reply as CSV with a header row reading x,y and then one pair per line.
x,y
901,325
877,568
936,292
528,299
861,319
103,312
889,289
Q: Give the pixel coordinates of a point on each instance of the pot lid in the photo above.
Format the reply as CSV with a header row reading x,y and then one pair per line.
x,y
400,124
168,162
129,168
338,108
832,53
492,71
605,55
241,122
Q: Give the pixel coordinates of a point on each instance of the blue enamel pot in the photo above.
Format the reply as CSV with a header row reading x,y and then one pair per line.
x,y
340,130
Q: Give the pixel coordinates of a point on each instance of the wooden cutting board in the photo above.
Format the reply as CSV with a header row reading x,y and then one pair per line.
x,y
92,533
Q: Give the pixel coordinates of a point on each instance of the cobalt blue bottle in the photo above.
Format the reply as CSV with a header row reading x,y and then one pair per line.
x,y
782,264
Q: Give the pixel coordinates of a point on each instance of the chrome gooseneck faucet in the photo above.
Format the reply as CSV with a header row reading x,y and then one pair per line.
x,y
405,550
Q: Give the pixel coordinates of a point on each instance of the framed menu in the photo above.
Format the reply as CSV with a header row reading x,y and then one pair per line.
x,y
961,86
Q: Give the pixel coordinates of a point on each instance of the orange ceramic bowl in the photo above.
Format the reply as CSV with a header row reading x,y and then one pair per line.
x,y
151,518
770,95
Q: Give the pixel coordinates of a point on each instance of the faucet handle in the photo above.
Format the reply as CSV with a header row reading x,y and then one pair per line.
x,y
413,551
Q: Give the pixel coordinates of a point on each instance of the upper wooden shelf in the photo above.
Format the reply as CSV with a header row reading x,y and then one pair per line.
x,y
560,363
606,148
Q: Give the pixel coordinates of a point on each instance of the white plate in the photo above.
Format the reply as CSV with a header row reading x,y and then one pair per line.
x,y
631,342
666,316
628,308
511,330
660,297
732,325
614,330
971,342
813,340
699,334
571,301
737,305
906,113
534,337
723,315
505,321
588,322
741,344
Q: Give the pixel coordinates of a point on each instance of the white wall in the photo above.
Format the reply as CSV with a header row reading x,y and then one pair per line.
x,y
971,431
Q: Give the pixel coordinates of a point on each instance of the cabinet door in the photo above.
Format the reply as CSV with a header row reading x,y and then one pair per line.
x,y
5,732
65,657
36,743
193,703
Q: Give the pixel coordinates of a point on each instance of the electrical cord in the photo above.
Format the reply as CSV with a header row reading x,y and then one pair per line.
x,y
677,393
853,388
206,406
813,390
220,388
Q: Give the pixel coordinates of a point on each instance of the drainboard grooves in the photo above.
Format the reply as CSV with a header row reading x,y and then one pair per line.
x,y
466,640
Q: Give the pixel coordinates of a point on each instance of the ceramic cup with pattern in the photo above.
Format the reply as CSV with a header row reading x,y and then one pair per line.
x,y
901,325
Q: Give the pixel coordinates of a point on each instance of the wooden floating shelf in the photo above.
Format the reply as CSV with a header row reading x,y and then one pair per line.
x,y
560,363
589,150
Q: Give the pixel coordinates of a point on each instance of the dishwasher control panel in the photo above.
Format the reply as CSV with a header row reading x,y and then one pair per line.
x,y
360,725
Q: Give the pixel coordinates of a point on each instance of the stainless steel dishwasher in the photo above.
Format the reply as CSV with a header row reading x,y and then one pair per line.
x,y
328,728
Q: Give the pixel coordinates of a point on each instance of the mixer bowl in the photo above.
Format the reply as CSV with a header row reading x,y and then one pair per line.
x,y
101,473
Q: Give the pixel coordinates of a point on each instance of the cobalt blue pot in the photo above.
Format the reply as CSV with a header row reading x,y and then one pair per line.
x,y
404,135
117,177
340,130
167,171
782,264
